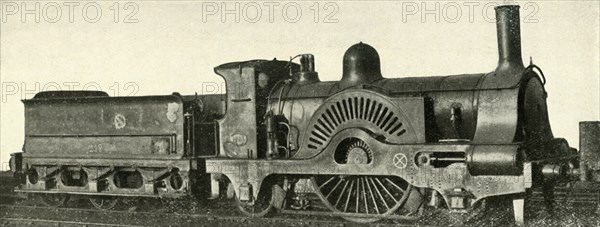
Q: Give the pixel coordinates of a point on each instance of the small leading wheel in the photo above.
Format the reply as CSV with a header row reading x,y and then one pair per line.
x,y
53,199
103,203
260,206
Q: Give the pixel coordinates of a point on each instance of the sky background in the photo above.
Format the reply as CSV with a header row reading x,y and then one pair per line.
x,y
159,47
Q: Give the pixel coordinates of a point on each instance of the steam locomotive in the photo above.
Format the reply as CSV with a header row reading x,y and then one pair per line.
x,y
368,147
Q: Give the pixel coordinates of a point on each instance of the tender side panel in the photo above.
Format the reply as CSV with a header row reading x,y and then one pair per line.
x,y
104,127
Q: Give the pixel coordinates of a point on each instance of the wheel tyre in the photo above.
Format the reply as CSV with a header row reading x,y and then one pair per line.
x,y
262,205
104,203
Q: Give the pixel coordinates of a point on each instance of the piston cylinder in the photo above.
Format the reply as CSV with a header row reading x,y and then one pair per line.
x,y
495,160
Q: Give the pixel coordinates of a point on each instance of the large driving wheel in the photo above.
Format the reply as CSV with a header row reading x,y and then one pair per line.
x,y
362,199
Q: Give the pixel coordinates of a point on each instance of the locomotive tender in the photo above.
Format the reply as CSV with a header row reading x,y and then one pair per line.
x,y
368,147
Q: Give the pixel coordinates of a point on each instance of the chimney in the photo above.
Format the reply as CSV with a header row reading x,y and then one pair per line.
x,y
509,40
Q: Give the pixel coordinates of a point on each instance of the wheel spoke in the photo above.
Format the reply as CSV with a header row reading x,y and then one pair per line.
x,y
334,187
357,193
372,195
341,194
379,193
348,198
385,189
394,184
364,193
327,182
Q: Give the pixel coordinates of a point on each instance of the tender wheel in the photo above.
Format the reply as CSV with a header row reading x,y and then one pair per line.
x,y
103,203
53,200
364,199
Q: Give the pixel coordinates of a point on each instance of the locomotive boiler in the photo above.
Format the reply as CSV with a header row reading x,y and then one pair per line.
x,y
367,147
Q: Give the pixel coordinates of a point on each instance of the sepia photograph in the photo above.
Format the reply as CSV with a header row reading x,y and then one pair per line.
x,y
299,113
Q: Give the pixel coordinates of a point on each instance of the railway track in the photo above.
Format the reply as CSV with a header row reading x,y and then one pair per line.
x,y
19,215
22,222
220,214
224,213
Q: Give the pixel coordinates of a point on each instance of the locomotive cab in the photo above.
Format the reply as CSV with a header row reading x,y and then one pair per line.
x,y
242,130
